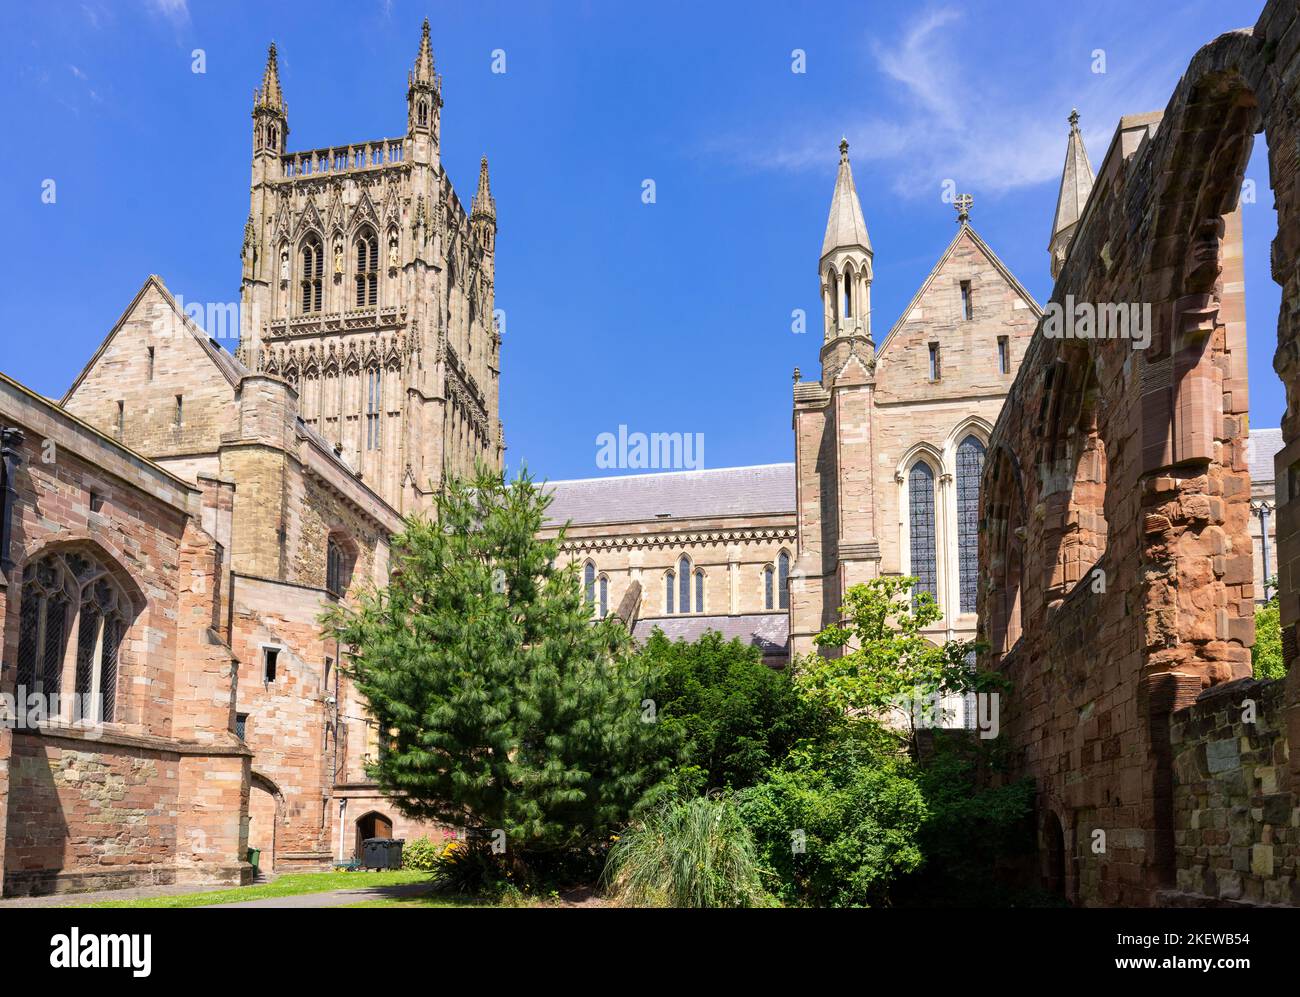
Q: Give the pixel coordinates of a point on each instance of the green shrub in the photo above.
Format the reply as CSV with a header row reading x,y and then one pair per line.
x,y
420,854
736,715
687,853
838,825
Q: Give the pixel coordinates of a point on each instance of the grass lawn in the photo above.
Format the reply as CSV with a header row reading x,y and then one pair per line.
x,y
424,900
284,886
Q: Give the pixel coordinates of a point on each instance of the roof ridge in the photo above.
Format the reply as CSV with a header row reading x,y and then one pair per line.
x,y
662,474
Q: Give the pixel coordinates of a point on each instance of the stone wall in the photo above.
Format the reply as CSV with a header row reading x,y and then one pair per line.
x,y
1115,504
1237,822
158,792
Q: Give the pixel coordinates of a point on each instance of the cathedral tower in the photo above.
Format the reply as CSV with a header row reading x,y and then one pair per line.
x,y
369,288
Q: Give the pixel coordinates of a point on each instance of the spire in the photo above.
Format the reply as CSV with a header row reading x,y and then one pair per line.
x,y
483,205
1076,185
270,96
845,228
423,72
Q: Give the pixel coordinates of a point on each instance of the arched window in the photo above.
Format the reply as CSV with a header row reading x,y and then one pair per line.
x,y
62,595
313,269
374,407
848,293
783,580
970,466
769,587
589,583
339,560
699,590
670,580
366,250
422,112
920,501
684,581
604,596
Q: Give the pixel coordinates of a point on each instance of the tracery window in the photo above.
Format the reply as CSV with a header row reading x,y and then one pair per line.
x,y
374,407
62,595
367,255
920,500
313,270
970,466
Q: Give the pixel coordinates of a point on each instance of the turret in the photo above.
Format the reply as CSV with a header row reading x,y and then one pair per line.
x,y
423,103
1076,185
845,265
270,121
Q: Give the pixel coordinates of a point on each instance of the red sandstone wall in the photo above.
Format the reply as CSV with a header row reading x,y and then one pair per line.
x,y
1134,460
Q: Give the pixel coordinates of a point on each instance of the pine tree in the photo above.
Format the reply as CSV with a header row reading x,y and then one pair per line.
x,y
503,705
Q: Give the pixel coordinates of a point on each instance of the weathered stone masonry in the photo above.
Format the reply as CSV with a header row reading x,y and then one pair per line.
x,y
1115,503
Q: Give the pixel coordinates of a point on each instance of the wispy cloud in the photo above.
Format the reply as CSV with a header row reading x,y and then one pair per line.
x,y
948,114
176,11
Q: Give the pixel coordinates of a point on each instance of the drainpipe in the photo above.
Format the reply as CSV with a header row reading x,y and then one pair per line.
x,y
10,441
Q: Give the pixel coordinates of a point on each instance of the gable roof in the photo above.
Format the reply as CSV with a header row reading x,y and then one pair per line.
x,y
964,229
726,491
768,631
228,365
1261,446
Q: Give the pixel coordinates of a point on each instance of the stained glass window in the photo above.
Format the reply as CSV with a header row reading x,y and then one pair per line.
x,y
920,497
684,577
970,465
589,582
669,580
783,580
768,597
604,596
699,591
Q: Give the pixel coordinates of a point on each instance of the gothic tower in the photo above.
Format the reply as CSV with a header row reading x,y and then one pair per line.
x,y
369,288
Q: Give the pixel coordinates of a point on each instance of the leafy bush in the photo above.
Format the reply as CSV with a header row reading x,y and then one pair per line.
x,y
1266,656
736,715
687,853
838,824
420,854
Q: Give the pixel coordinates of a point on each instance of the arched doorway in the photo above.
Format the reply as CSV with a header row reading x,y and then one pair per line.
x,y
264,808
372,825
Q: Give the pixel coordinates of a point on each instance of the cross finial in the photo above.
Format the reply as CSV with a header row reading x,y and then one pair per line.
x,y
1074,119
844,149
963,203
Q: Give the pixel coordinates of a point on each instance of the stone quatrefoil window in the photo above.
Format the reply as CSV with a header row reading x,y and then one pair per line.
x,y
920,501
73,617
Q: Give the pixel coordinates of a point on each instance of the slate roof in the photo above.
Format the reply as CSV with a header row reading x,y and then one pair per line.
x,y
1261,445
768,631
725,491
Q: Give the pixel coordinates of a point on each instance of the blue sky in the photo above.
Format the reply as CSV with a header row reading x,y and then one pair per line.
x,y
672,316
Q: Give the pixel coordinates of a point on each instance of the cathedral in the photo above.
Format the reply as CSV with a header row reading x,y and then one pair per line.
x,y
172,528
